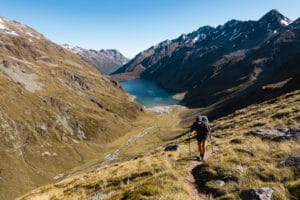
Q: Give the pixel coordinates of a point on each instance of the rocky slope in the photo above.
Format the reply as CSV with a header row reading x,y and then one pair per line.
x,y
227,67
105,60
56,111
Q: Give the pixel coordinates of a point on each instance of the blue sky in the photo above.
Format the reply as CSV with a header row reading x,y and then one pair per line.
x,y
133,25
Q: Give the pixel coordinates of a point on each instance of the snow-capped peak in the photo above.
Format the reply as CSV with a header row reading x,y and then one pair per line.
x,y
74,49
9,27
5,29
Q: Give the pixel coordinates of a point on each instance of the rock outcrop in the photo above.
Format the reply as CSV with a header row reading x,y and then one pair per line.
x,y
278,134
264,193
294,162
172,148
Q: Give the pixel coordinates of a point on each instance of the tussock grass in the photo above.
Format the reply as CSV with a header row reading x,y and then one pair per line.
x,y
241,171
145,171
150,177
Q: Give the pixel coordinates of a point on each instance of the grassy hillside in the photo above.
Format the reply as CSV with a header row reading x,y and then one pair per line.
x,y
56,112
145,171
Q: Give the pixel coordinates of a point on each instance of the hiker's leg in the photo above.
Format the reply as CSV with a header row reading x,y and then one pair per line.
x,y
199,147
203,147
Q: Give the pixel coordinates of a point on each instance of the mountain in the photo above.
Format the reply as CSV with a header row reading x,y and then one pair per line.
x,y
104,60
227,67
56,111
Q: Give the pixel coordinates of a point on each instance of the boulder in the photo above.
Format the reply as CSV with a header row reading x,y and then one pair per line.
x,y
279,134
98,196
264,193
219,183
172,148
294,162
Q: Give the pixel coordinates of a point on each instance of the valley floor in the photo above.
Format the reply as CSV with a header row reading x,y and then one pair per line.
x,y
140,168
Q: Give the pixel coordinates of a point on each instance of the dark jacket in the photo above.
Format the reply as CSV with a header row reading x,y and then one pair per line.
x,y
201,129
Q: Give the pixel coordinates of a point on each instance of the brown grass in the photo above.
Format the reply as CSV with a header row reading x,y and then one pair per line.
x,y
147,172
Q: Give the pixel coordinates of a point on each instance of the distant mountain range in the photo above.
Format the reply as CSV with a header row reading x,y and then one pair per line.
x,y
227,67
105,60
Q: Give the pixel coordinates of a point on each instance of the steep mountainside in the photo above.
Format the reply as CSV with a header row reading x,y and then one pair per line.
x,y
104,60
56,112
222,67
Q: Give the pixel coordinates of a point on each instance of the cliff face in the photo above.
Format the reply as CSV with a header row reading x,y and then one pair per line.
x,y
56,111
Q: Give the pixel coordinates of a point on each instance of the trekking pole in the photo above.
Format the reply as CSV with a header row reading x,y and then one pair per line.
x,y
190,144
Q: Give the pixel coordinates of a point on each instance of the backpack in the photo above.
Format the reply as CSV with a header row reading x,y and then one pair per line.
x,y
205,119
201,127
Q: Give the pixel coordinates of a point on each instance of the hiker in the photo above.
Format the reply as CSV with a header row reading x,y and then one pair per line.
x,y
203,132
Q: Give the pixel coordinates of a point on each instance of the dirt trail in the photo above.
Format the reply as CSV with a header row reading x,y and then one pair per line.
x,y
190,180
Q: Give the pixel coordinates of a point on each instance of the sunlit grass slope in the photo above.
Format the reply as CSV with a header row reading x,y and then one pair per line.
x,y
145,171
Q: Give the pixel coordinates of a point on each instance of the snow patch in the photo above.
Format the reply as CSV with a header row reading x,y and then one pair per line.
x,y
235,36
32,35
73,49
2,26
6,29
284,22
29,34
195,39
200,36
10,32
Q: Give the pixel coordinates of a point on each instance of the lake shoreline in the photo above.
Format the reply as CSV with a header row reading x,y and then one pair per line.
x,y
150,94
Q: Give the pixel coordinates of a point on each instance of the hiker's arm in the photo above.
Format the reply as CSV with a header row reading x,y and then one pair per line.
x,y
192,128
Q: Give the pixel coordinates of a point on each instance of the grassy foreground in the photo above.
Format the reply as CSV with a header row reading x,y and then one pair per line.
x,y
243,171
145,171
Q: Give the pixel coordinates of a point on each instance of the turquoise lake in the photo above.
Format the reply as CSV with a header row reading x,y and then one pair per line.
x,y
148,93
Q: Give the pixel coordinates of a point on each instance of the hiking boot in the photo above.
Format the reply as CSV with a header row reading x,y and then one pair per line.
x,y
199,158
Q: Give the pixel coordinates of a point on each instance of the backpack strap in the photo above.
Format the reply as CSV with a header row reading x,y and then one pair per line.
x,y
206,126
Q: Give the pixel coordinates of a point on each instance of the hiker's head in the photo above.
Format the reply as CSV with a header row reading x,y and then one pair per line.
x,y
199,118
